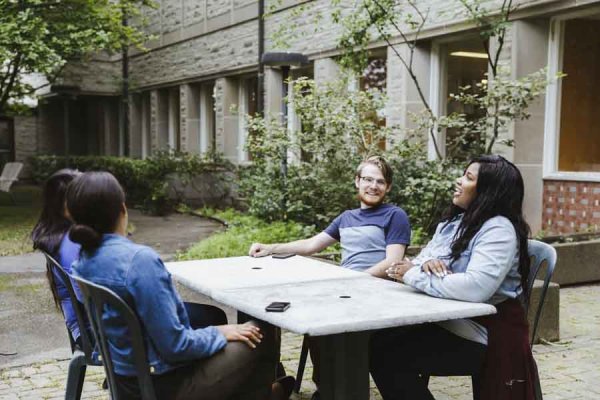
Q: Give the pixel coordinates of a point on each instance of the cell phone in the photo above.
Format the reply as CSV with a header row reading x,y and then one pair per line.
x,y
277,306
283,255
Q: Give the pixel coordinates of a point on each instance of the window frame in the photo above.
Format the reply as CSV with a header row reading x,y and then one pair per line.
x,y
553,100
438,85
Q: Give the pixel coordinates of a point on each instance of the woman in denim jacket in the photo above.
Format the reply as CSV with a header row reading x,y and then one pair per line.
x,y
479,254
214,362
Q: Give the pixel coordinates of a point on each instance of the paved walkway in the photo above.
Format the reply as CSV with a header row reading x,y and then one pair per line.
x,y
32,327
569,369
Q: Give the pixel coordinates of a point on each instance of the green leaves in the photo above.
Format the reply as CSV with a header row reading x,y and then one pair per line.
x,y
38,36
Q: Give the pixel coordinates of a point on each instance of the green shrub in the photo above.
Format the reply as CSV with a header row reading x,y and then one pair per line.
x,y
145,181
242,231
339,129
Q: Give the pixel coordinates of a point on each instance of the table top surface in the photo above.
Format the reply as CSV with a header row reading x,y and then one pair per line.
x,y
325,299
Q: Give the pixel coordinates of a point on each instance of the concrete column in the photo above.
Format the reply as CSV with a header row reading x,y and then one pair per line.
x,y
326,70
227,118
529,54
135,126
273,92
189,118
154,120
173,117
146,149
159,119
403,94
207,118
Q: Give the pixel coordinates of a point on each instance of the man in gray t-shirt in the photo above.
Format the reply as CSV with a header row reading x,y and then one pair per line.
x,y
373,237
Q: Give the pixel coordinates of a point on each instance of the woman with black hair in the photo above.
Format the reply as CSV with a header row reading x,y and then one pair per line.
x,y
214,362
50,235
479,254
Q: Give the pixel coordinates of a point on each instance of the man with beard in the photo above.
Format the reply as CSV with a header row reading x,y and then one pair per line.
x,y
373,237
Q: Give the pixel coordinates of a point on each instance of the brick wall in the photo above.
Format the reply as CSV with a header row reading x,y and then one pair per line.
x,y
571,207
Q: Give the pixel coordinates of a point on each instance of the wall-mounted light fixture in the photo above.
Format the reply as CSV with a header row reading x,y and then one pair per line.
x,y
469,54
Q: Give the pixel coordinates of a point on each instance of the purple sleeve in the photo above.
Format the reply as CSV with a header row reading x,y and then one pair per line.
x,y
333,229
398,229
68,253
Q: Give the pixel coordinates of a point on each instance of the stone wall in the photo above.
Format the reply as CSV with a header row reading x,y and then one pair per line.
x,y
25,142
96,76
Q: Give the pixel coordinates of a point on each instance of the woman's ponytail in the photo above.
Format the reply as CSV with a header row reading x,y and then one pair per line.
x,y
85,235
95,202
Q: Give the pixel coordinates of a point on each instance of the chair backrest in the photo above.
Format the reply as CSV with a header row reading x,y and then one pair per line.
x,y
96,299
10,174
541,254
87,342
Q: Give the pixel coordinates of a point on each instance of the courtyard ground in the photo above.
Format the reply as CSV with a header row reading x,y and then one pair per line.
x,y
30,326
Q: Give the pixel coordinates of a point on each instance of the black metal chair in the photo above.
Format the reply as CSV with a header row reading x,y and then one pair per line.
x,y
82,351
542,254
96,299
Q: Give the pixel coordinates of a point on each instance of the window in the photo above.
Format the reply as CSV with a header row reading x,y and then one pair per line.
x,y
455,65
375,77
571,137
579,131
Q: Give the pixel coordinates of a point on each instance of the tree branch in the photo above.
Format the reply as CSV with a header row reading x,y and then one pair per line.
x,y
11,82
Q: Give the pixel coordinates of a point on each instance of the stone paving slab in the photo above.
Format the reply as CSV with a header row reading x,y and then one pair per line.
x,y
569,369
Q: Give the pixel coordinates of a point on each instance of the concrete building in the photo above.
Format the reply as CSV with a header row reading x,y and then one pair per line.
x,y
200,74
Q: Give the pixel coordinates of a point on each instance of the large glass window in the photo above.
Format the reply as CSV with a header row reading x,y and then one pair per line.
x,y
466,64
579,132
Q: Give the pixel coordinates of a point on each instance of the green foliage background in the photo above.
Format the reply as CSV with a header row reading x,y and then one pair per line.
x,y
145,181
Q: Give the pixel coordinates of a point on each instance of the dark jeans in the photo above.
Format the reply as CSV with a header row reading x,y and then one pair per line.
x,y
236,372
402,359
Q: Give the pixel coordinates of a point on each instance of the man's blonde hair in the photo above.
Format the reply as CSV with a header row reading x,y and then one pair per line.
x,y
380,163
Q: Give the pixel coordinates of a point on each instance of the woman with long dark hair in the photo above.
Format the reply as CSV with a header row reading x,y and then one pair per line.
x,y
478,253
214,362
50,235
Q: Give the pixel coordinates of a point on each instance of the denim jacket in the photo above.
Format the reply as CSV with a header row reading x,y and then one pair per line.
x,y
486,271
137,274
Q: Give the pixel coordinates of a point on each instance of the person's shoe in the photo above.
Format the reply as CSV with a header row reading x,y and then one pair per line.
x,y
282,388
316,395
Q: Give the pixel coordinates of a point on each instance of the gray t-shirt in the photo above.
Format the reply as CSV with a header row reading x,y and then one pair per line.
x,y
364,234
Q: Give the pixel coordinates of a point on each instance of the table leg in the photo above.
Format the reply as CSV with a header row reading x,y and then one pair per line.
x,y
344,366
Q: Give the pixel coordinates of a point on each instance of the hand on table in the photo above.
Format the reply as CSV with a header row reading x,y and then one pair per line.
x,y
436,267
259,250
398,269
246,333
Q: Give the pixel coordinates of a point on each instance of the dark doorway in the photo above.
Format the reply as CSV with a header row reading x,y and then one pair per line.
x,y
7,141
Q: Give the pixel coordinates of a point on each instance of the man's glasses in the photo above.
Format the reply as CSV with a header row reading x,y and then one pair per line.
x,y
368,180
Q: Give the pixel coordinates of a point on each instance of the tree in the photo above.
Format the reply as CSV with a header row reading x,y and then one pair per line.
x,y
499,101
40,36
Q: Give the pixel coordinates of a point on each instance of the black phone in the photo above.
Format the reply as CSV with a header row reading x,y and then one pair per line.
x,y
283,255
278,306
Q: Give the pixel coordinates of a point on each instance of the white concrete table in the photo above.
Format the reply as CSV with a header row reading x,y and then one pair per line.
x,y
338,306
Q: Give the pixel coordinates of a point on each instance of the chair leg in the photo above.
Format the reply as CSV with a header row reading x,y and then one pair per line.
x,y
301,365
476,384
75,376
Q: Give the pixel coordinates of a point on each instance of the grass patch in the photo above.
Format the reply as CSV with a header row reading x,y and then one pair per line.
x,y
242,231
17,221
